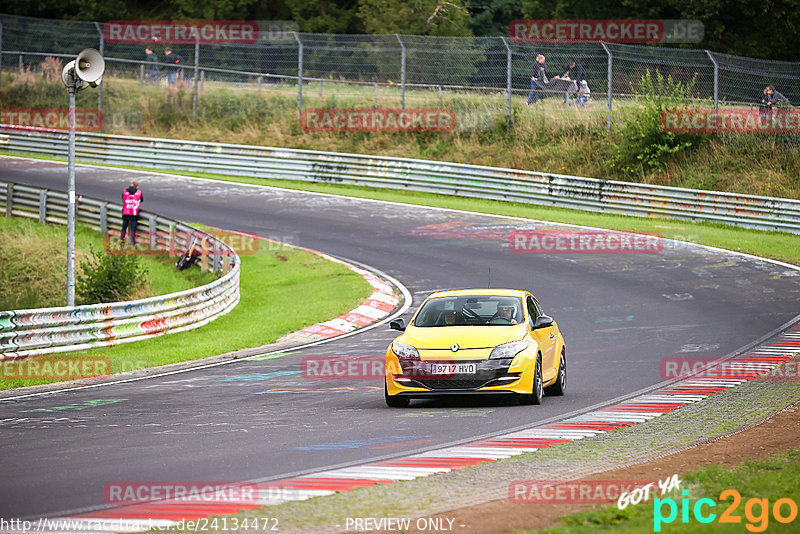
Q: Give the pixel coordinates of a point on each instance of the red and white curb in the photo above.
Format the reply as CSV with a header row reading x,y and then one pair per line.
x,y
380,304
627,413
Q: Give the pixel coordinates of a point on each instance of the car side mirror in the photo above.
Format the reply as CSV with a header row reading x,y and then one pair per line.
x,y
398,324
543,321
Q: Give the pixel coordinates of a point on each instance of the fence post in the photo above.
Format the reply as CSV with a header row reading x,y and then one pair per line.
x,y
171,243
508,81
1,54
299,73
104,218
196,76
258,84
141,74
610,78
20,64
9,198
100,87
151,228
402,72
42,206
204,254
716,80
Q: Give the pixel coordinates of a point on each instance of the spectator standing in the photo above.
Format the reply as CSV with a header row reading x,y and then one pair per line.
x,y
538,79
151,70
175,61
131,202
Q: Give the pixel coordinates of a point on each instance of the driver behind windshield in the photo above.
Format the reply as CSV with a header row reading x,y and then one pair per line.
x,y
504,315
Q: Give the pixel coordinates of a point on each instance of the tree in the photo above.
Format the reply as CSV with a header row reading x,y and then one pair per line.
x,y
415,17
491,17
325,16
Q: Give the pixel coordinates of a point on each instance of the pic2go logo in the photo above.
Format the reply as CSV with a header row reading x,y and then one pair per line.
x,y
756,511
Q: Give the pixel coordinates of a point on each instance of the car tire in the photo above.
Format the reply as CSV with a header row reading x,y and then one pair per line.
x,y
394,402
537,392
559,387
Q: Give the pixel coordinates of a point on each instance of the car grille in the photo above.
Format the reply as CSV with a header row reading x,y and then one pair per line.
x,y
455,383
488,370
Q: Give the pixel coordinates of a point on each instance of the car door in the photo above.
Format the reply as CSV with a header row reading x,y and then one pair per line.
x,y
546,337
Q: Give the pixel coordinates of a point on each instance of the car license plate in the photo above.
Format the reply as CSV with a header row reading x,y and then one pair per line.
x,y
453,368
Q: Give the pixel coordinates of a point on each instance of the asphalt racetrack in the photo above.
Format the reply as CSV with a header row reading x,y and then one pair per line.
x,y
621,315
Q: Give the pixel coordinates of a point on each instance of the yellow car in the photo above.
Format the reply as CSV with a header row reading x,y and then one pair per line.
x,y
488,341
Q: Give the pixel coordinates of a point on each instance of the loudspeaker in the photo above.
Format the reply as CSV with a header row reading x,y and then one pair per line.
x,y
87,69
68,76
89,65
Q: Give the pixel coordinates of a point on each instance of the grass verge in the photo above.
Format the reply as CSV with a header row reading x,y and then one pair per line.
x,y
760,484
282,290
33,259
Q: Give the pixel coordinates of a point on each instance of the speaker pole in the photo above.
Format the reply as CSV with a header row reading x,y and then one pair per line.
x,y
86,70
73,88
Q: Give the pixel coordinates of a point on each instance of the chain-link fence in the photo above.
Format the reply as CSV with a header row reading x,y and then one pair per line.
x,y
475,76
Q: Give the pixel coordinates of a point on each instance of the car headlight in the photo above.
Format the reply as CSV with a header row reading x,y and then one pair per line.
x,y
508,350
405,352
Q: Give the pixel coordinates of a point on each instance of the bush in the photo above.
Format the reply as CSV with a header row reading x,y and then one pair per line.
x,y
107,277
643,146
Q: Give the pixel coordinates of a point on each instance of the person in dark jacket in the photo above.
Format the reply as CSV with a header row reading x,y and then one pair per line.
x,y
770,99
575,72
151,74
538,80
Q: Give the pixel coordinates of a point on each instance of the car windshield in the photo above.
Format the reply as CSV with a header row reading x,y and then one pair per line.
x,y
472,310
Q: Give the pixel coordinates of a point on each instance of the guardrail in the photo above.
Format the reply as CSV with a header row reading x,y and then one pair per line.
x,y
557,190
40,331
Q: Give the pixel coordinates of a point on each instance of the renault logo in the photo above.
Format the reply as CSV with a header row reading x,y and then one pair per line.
x,y
454,347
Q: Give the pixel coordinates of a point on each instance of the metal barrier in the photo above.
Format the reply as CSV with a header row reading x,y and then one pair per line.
x,y
52,330
557,190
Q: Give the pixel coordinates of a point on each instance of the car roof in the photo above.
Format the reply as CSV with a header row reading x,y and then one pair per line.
x,y
484,291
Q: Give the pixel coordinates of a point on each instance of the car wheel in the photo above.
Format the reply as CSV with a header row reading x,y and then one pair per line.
x,y
394,402
537,392
560,385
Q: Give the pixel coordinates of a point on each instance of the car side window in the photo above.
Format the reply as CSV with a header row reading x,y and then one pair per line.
x,y
538,307
532,310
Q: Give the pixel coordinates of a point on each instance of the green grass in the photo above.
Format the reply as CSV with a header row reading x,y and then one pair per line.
x,y
33,257
772,478
282,290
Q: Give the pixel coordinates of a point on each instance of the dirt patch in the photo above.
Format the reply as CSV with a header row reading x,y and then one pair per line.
x,y
777,434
